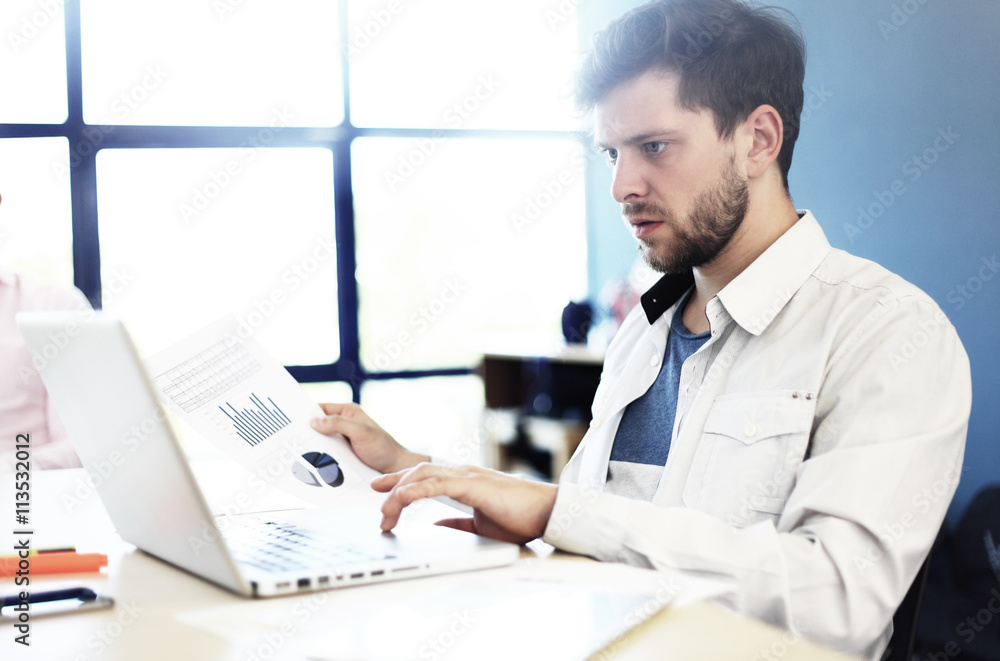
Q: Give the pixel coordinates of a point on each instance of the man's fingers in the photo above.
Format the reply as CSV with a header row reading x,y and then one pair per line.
x,y
335,408
384,483
336,423
424,481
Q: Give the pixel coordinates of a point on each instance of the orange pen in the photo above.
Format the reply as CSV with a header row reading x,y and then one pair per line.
x,y
53,563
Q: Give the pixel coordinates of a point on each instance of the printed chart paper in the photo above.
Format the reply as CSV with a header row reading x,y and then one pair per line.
x,y
225,386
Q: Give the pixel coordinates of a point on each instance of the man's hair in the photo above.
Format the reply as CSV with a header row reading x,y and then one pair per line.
x,y
731,58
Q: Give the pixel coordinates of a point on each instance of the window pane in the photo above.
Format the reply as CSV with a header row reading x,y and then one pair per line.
x,y
212,63
438,416
461,64
461,239
190,235
331,391
36,230
33,62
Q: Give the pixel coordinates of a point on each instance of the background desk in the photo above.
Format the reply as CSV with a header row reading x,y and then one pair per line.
x,y
158,607
545,392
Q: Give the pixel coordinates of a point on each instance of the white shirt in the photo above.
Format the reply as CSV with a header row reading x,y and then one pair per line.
x,y
817,444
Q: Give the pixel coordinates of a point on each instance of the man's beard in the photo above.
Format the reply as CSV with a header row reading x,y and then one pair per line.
x,y
717,215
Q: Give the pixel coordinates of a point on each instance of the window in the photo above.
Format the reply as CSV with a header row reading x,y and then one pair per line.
x,y
36,231
376,187
33,63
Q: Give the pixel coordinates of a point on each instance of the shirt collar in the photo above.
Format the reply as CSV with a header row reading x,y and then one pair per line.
x,y
664,294
756,296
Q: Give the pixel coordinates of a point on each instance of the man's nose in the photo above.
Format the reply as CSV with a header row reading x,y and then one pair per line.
x,y
627,181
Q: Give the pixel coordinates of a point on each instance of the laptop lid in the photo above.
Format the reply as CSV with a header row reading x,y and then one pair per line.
x,y
125,440
94,375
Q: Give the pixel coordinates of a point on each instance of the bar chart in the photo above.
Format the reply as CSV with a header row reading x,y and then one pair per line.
x,y
257,421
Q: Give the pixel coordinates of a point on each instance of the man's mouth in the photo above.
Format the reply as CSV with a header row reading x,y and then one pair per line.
x,y
643,227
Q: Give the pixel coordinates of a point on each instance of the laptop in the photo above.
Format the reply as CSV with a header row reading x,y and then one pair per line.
x,y
110,408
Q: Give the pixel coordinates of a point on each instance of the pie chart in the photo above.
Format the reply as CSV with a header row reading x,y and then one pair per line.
x,y
324,465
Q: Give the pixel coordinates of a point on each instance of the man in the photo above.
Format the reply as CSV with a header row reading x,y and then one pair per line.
x,y
24,404
776,412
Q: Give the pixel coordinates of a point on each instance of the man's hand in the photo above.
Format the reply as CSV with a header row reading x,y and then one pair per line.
x,y
371,443
505,507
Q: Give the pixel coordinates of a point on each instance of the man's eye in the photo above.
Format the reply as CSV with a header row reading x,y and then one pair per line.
x,y
655,147
612,155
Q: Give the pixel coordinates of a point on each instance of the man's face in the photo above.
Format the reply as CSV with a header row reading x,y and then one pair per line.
x,y
681,193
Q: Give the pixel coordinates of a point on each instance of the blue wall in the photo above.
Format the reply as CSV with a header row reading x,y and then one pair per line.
x,y
899,159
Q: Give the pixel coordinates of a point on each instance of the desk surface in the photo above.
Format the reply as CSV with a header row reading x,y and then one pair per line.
x,y
164,613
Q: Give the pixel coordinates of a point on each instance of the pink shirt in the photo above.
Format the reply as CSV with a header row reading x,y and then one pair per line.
x,y
24,404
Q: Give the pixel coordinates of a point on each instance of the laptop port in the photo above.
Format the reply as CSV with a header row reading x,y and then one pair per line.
x,y
378,572
358,575
324,580
405,569
303,583
283,585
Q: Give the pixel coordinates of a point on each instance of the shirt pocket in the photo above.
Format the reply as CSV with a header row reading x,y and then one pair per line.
x,y
750,449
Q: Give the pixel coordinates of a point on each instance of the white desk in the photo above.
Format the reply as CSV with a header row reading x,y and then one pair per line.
x,y
162,612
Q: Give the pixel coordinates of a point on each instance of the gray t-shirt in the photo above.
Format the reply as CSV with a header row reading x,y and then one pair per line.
x,y
643,438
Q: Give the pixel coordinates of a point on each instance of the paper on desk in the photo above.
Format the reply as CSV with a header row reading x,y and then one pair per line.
x,y
558,607
225,386
499,620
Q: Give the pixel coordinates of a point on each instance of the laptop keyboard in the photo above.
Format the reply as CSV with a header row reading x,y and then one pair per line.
x,y
281,546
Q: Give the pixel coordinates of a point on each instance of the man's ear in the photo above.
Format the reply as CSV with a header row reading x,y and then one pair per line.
x,y
765,132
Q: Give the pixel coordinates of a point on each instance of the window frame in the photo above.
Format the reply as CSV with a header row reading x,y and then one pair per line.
x,y
348,368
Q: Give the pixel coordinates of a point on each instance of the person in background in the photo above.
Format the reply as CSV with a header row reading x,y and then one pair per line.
x,y
775,413
24,404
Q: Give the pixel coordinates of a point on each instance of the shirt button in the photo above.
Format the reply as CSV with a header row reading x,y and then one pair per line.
x,y
654,361
595,423
750,430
